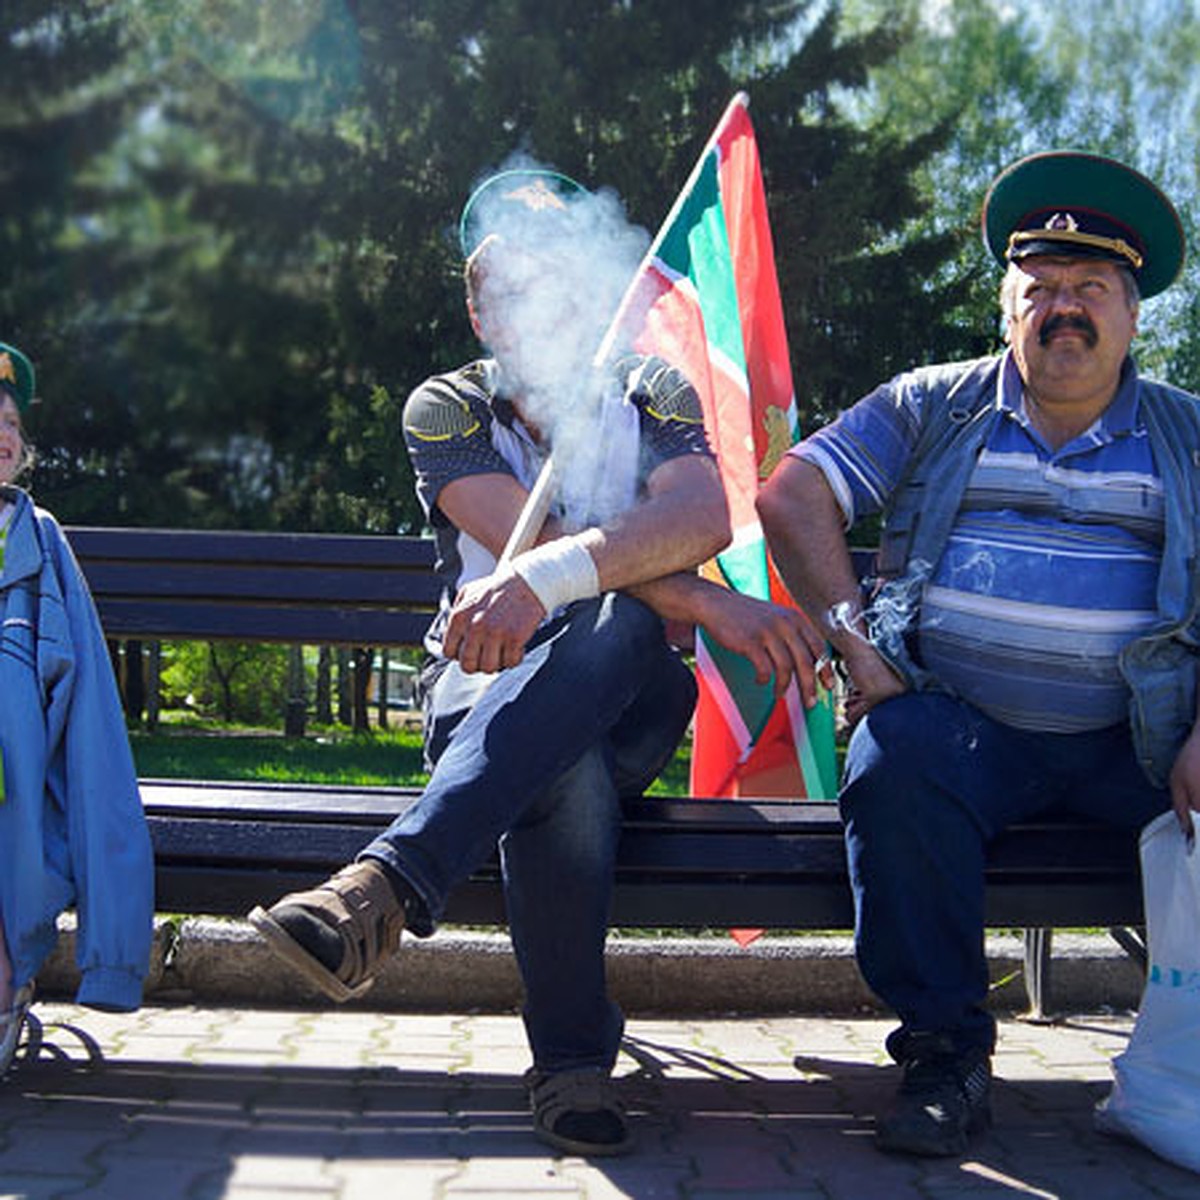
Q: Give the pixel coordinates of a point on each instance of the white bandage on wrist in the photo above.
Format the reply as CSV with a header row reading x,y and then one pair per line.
x,y
558,572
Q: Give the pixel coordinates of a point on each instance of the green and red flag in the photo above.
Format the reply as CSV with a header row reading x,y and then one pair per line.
x,y
707,300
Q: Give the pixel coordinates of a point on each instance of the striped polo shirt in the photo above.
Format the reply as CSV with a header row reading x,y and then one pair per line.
x,y
1052,564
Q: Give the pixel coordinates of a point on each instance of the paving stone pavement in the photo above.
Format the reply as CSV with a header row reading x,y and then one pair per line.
x,y
201,1103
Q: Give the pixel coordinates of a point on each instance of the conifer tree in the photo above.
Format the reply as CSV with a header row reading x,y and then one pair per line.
x,y
268,219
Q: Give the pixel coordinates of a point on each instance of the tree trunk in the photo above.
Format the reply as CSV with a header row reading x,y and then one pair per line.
x,y
153,683
135,681
361,679
224,681
381,711
297,701
344,704
324,700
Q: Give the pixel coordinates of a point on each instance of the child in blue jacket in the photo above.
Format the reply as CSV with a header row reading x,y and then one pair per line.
x,y
72,831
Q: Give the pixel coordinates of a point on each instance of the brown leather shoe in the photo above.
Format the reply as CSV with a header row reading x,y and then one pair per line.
x,y
359,905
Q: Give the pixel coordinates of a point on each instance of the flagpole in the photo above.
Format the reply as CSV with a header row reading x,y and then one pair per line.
x,y
537,504
533,516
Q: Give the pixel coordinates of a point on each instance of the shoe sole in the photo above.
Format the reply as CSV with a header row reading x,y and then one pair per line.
x,y
921,1149
582,1149
295,955
898,1144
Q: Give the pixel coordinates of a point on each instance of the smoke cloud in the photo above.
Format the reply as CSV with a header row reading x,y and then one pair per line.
x,y
894,606
552,273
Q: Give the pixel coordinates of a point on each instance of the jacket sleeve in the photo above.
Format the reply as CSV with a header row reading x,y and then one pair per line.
x,y
93,779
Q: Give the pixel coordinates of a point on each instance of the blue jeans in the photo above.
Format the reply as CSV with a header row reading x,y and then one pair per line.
x,y
929,781
536,759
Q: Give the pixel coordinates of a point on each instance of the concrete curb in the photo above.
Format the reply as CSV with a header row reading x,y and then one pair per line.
x,y
215,961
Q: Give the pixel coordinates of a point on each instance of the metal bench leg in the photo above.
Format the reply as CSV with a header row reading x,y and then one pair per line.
x,y
1037,972
1133,942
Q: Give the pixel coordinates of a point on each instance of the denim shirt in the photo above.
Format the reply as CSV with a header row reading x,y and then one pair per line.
x,y
72,829
959,405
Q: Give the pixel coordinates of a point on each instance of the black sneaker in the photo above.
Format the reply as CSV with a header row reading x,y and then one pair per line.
x,y
945,1097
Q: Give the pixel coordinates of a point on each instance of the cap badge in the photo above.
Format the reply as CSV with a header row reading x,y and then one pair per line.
x,y
536,196
1062,221
7,370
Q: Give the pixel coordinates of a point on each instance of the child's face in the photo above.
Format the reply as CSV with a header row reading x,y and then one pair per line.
x,y
12,443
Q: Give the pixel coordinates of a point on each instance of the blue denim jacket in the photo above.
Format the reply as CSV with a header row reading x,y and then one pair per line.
x,y
959,405
72,830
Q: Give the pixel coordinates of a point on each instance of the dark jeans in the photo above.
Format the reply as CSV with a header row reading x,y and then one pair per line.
x,y
537,758
929,781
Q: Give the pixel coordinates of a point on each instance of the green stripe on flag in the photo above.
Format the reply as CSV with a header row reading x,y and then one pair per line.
x,y
697,246
818,753
745,569
753,701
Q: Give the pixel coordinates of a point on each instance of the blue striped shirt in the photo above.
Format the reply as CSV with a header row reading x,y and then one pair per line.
x,y
1052,566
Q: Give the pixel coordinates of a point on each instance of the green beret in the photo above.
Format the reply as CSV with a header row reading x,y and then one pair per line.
x,y
1066,202
523,204
16,375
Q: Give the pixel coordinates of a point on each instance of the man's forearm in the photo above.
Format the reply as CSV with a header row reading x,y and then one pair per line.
x,y
677,597
804,527
803,524
681,523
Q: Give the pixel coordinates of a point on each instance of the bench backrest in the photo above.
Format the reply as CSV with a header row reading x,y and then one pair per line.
x,y
313,589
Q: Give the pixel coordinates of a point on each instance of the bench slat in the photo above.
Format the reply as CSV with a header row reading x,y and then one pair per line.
x,y
769,830
158,547
185,620
251,844
314,589
387,587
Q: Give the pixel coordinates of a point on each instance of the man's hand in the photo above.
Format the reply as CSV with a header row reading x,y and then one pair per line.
x,y
1184,781
491,622
777,641
871,681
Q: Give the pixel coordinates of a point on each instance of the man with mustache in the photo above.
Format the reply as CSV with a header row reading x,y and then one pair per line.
x,y
1032,640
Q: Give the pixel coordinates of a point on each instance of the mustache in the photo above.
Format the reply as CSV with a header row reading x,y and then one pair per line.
x,y
1076,321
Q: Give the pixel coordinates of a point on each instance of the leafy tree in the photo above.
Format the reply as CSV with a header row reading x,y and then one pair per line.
x,y
267,222
1131,71
625,95
1017,79
864,294
67,101
233,680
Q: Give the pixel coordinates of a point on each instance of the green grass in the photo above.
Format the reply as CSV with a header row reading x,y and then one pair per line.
x,y
379,758
387,757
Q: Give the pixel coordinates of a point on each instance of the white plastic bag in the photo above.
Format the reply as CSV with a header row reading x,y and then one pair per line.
x,y
1155,1098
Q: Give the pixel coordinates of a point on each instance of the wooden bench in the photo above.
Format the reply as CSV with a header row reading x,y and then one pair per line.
x,y
684,862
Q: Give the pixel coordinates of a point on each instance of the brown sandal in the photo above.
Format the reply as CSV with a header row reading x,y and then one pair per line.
x,y
579,1112
360,905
